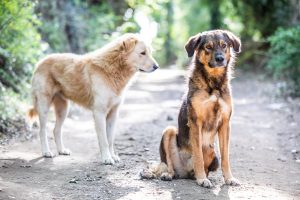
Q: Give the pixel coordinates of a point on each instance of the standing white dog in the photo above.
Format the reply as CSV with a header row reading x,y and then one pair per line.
x,y
96,81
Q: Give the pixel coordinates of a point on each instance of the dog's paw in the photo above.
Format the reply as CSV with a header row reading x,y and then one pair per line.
x,y
116,158
204,183
65,152
48,154
107,160
232,181
166,177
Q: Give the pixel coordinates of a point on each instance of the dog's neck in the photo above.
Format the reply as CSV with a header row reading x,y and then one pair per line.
x,y
210,79
119,77
115,71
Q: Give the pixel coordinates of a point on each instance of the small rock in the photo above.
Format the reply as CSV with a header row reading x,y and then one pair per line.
x,y
146,149
25,166
252,148
131,139
73,180
90,179
294,151
283,159
169,118
298,161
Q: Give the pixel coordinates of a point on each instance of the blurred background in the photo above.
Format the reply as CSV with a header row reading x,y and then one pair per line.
x,y
29,30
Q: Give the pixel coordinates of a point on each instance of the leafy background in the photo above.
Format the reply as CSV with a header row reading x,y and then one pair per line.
x,y
29,29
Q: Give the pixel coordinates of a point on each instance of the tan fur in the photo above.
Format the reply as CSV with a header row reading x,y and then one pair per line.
x,y
94,80
205,111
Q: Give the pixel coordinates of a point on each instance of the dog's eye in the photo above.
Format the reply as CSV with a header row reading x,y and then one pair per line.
x,y
143,53
224,46
209,47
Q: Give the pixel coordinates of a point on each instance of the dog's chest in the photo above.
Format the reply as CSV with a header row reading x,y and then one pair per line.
x,y
210,109
218,104
104,96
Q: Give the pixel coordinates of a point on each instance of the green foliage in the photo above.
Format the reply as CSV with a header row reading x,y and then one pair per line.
x,y
10,104
284,54
19,42
262,17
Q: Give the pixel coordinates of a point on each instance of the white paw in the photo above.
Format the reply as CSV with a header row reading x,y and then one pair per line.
x,y
107,160
232,181
204,183
65,152
48,154
116,158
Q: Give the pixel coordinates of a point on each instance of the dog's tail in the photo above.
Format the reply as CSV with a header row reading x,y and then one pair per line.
x,y
31,116
153,170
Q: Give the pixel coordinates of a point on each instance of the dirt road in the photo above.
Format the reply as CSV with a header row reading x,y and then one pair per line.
x,y
265,146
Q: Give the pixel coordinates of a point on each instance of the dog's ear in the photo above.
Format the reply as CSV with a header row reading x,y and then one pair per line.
x,y
234,40
192,44
128,44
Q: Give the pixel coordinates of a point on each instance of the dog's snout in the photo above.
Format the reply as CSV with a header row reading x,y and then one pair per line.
x,y
155,66
219,58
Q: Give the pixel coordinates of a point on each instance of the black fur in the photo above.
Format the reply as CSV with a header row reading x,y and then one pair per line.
x,y
183,129
214,165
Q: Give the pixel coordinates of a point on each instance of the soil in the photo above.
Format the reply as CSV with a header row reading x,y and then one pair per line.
x,y
265,148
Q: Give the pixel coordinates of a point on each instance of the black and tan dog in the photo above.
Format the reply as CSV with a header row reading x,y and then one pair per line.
x,y
206,110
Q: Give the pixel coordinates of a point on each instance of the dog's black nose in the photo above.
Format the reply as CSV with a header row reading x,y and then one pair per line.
x,y
219,58
155,67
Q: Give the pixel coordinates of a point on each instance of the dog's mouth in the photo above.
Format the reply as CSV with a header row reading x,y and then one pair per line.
x,y
217,64
153,69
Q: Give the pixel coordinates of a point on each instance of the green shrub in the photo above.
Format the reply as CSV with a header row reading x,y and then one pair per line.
x,y
284,54
20,43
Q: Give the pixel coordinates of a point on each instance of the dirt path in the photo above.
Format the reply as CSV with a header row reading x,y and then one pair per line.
x,y
265,145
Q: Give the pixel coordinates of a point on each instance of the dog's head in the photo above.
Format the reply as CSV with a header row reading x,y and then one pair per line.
x,y
138,53
213,48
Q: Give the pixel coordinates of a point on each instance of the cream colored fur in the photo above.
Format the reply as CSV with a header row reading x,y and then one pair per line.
x,y
96,81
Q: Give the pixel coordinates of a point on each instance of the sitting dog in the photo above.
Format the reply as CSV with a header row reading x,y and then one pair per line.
x,y
96,81
205,112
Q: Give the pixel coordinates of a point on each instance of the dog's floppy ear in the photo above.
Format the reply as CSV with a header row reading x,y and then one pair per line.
x,y
128,44
192,44
234,40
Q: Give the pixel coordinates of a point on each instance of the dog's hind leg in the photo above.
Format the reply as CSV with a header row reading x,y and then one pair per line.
x,y
169,152
61,111
110,124
42,106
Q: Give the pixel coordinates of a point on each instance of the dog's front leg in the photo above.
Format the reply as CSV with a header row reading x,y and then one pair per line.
x,y
110,124
224,135
197,154
100,124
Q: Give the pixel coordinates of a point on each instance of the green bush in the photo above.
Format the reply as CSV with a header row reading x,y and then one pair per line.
x,y
284,54
20,46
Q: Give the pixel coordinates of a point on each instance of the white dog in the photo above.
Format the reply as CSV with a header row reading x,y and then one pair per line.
x,y
96,81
